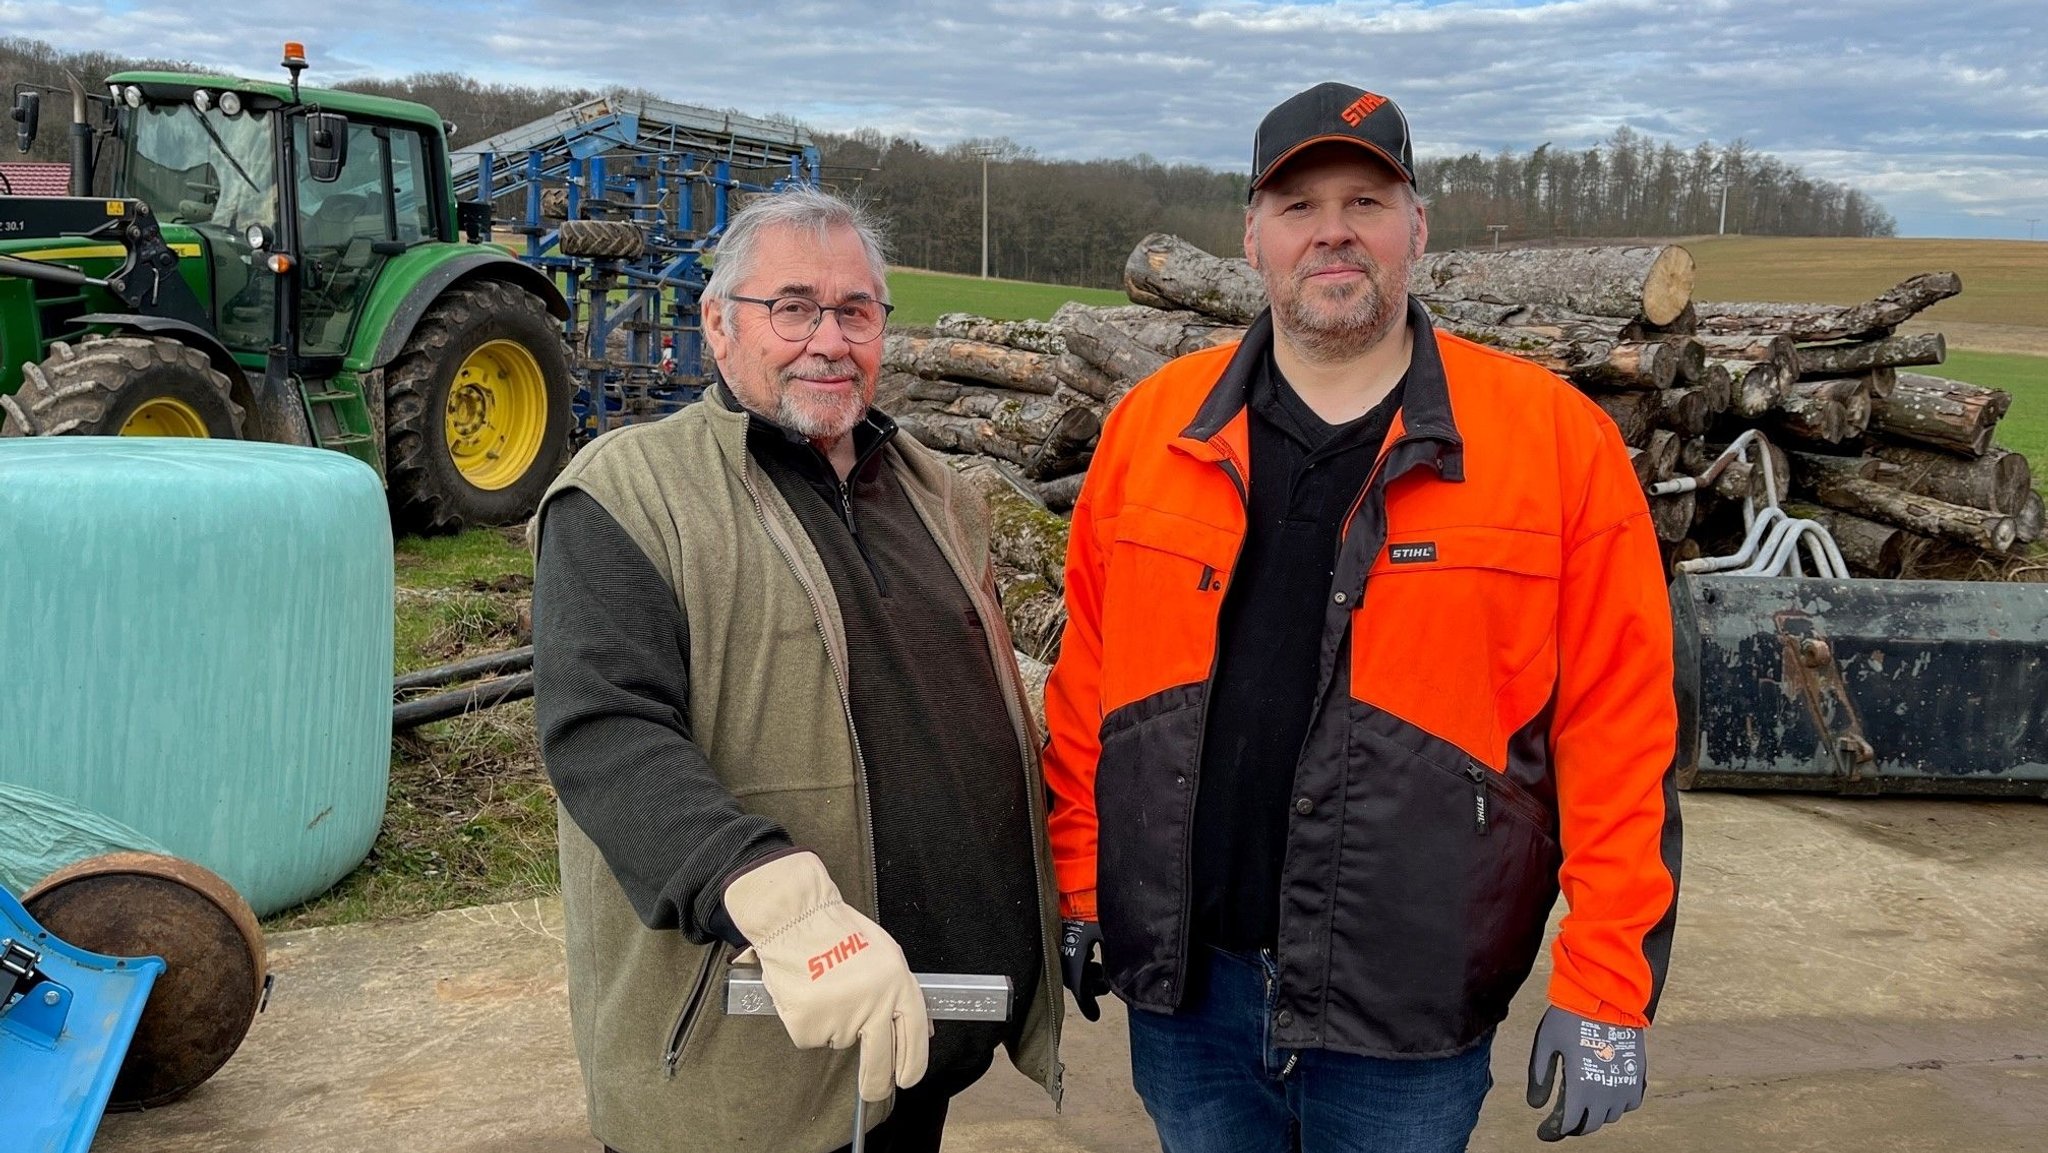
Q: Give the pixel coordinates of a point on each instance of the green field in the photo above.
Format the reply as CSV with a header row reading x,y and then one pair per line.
x,y
921,297
2004,281
2025,426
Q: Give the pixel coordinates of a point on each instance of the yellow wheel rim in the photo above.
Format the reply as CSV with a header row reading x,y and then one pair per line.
x,y
164,417
497,414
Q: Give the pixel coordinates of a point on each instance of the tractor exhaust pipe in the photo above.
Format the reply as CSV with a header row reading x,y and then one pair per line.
x,y
81,140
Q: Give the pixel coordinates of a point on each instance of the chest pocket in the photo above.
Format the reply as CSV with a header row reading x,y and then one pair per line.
x,y
1458,632
1164,589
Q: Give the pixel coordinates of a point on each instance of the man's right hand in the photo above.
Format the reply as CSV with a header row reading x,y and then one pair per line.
x,y
1080,971
836,978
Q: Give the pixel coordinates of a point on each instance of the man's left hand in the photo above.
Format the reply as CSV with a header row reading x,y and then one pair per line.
x,y
1603,1066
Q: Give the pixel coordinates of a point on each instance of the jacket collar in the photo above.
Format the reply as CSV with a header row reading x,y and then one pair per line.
x,y
875,430
1425,412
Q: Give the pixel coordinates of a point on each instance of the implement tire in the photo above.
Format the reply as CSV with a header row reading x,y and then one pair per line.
x,y
602,239
478,405
122,386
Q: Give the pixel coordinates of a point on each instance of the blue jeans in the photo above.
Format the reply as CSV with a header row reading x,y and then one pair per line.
x,y
1213,1082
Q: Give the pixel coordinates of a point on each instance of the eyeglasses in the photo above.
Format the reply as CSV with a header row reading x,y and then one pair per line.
x,y
797,317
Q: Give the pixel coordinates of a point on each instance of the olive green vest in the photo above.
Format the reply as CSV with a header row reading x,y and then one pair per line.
x,y
664,1068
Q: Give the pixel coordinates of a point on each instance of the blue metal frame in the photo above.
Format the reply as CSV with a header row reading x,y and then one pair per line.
x,y
672,171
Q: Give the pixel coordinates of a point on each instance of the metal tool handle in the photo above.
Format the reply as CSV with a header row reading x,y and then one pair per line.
x,y
947,997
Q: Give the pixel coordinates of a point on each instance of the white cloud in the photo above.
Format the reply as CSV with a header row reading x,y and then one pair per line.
x,y
1935,109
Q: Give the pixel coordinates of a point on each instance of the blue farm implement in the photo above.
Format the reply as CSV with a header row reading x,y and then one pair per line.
x,y
622,200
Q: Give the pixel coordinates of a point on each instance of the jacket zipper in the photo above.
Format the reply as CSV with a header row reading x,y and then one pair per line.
x,y
1187,846
1481,816
692,1008
860,768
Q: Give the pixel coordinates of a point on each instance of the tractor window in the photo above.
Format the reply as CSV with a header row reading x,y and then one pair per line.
x,y
413,183
344,225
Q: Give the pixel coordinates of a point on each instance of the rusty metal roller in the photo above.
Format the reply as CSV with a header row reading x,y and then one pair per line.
x,y
132,904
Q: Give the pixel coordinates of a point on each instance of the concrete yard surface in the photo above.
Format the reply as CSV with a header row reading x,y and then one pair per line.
x,y
1863,976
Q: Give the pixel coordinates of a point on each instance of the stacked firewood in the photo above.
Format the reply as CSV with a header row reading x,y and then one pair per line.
x,y
1902,467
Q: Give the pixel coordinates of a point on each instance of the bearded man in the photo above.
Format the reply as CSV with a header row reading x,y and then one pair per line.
x,y
1367,654
779,705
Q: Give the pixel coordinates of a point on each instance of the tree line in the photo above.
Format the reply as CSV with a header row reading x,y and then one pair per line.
x,y
1076,221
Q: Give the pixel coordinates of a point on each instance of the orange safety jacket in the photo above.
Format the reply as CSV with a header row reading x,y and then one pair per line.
x,y
1496,717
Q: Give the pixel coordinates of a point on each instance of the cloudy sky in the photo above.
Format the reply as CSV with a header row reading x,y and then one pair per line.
x,y
1938,108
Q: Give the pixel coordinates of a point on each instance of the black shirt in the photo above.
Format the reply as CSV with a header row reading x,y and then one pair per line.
x,y
1304,477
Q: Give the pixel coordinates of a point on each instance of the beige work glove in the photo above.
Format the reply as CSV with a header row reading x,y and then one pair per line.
x,y
836,978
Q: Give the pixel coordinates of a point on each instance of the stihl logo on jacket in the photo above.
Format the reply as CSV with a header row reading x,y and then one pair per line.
x,y
824,962
1422,553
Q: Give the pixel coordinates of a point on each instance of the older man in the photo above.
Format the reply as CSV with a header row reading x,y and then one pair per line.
x,y
1367,652
777,698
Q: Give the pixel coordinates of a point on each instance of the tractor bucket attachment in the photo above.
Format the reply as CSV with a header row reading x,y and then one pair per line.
x,y
1862,686
66,1016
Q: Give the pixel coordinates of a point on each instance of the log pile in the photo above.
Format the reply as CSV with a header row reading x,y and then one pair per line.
x,y
1903,467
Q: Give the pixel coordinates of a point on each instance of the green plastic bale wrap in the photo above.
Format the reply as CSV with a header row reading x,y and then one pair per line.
x,y
195,637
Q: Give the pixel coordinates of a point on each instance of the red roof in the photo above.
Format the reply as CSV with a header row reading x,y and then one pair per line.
x,y
23,179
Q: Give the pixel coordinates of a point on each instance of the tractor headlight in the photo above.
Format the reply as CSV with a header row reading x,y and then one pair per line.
x,y
132,96
202,99
231,103
258,237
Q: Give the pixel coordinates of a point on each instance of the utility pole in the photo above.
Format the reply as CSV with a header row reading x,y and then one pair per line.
x,y
984,152
1724,207
2030,226
1496,229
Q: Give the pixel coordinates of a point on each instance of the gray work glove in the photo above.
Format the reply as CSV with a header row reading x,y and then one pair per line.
x,y
1080,972
1604,1069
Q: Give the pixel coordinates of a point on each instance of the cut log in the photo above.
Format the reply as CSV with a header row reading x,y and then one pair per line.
x,y
1167,272
1890,352
1654,282
1872,548
1684,410
1066,445
2000,480
1664,449
1028,544
1671,516
1739,479
893,388
1778,350
1947,414
1172,334
1991,531
1633,413
1645,466
1851,392
1829,321
1040,336
1755,386
1587,360
1108,348
934,357
1810,469
1083,377
2027,520
1061,494
1719,387
961,434
1829,411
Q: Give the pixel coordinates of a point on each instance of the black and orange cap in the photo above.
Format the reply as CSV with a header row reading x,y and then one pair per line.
x,y
1329,112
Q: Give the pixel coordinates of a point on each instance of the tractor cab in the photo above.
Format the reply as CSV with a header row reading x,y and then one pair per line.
x,y
249,258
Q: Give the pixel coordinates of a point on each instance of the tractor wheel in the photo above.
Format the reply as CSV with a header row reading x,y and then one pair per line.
x,y
603,239
478,410
554,203
122,386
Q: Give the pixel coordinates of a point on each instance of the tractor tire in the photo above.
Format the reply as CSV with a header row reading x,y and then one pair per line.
x,y
122,386
603,239
554,203
477,406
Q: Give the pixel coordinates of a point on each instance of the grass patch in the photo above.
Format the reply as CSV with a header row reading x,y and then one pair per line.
x,y
921,297
2024,428
470,818
2004,281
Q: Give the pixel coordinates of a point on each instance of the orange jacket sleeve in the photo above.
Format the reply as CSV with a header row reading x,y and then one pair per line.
x,y
1612,740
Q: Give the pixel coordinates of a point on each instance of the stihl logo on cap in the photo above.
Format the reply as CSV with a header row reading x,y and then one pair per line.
x,y
1361,108
843,951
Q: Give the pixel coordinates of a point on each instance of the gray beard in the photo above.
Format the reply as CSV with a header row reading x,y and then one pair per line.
x,y
1324,337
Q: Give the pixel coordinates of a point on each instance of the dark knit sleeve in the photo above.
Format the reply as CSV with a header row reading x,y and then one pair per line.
x,y
611,665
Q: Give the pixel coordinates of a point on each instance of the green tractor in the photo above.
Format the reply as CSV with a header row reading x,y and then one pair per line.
x,y
278,264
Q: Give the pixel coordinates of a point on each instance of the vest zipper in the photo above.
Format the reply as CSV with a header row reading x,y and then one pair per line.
x,y
1481,817
692,1009
860,767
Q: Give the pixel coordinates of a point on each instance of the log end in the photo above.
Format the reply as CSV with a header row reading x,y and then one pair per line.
x,y
1668,288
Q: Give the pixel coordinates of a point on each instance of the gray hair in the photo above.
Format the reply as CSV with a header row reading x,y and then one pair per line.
x,y
801,206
